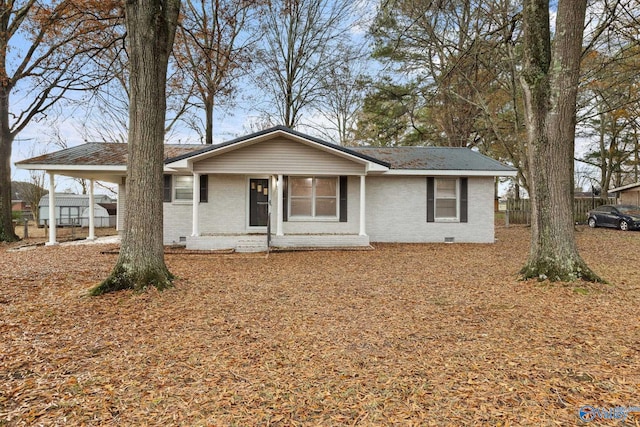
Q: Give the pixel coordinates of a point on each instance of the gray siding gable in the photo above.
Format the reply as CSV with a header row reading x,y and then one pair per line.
x,y
282,131
279,155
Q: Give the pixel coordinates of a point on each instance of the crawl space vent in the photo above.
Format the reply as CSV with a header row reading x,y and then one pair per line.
x,y
449,239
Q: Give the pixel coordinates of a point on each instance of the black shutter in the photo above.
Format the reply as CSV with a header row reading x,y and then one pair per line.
x,y
285,198
166,194
343,199
430,199
204,188
463,200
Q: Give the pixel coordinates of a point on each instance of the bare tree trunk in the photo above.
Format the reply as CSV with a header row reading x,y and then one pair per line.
x,y
150,33
550,82
7,233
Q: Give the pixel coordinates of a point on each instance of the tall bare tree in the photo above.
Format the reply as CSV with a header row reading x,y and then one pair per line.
x,y
213,49
106,109
609,97
299,45
550,78
45,48
343,89
151,27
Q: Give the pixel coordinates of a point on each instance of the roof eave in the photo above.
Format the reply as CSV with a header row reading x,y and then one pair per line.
x,y
450,172
624,187
86,168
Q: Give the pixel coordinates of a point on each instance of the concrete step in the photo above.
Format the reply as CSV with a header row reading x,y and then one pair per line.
x,y
252,245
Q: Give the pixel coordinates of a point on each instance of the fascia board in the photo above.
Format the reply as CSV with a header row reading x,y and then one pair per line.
x,y
83,168
424,172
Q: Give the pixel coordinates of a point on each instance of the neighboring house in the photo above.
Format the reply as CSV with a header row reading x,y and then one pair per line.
x,y
300,191
628,194
73,210
19,206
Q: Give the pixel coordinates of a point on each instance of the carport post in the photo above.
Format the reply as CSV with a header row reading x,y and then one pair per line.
x,y
52,210
92,225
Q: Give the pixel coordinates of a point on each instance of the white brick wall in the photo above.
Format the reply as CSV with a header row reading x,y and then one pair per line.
x,y
224,213
397,206
226,210
177,222
396,212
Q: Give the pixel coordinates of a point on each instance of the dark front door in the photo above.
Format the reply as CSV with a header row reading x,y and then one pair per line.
x,y
258,202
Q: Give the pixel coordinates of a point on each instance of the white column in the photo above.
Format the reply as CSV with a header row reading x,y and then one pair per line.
x,y
363,211
196,204
280,218
92,214
120,203
52,210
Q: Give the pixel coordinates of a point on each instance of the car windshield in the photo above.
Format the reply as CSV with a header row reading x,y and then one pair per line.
x,y
629,209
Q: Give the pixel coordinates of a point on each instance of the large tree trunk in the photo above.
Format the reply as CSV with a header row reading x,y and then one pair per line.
x,y
150,33
7,233
550,81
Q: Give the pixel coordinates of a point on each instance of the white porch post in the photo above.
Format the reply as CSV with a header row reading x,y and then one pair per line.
x,y
52,210
120,203
195,227
280,217
92,214
363,229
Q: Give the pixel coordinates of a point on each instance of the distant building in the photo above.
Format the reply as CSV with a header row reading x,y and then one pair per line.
x,y
73,210
628,194
19,206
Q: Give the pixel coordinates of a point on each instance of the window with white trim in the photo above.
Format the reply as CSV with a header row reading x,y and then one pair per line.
x,y
446,199
313,197
183,190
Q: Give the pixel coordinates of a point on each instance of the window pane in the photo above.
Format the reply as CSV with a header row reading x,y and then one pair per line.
x,y
184,181
446,208
325,187
326,207
184,193
300,207
301,187
184,187
446,188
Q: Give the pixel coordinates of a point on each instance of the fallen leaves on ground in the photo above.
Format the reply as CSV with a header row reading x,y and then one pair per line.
x,y
407,334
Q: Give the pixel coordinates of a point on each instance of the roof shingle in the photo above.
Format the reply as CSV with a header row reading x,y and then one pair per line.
x,y
400,158
434,158
102,154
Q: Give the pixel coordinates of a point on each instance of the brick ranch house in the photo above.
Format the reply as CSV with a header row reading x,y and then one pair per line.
x,y
303,191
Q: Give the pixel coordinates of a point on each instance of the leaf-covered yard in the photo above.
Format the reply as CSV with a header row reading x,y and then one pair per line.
x,y
403,335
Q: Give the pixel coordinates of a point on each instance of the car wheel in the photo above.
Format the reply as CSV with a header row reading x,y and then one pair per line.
x,y
592,222
624,225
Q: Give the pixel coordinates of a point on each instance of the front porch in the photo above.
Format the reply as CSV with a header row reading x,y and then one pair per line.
x,y
258,242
